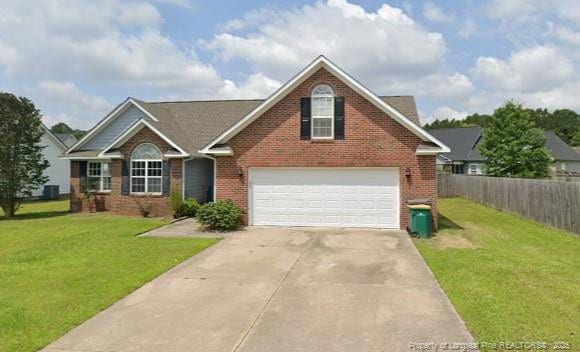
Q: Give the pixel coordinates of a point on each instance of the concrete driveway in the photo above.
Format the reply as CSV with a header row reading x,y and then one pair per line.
x,y
282,289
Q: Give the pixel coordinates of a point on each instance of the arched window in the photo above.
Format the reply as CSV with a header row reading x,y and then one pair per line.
x,y
146,169
322,112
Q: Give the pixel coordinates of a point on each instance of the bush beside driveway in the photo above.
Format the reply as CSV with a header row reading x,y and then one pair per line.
x,y
511,279
57,269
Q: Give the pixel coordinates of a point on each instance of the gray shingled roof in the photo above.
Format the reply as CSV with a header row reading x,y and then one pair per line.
x,y
461,141
193,124
463,144
559,149
67,139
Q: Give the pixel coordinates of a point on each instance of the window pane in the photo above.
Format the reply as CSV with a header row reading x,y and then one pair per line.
x,y
154,168
321,123
154,172
106,183
93,183
146,151
322,106
138,168
106,169
322,89
94,169
321,127
138,184
154,185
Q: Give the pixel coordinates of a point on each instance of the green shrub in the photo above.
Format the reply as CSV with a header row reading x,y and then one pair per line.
x,y
176,203
189,207
222,215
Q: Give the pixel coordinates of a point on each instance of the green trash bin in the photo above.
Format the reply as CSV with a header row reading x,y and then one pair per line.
x,y
420,220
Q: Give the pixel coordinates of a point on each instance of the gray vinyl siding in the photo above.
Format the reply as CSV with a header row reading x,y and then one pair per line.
x,y
114,129
198,179
58,172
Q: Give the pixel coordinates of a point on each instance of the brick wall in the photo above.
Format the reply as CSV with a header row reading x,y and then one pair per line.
x,y
127,205
372,139
78,200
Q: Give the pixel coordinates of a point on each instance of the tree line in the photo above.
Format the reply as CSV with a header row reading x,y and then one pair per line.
x,y
62,127
564,122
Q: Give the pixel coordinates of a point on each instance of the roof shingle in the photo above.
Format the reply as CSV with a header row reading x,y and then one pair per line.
x,y
193,124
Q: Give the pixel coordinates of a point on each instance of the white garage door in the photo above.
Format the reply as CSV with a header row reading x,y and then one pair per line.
x,y
335,197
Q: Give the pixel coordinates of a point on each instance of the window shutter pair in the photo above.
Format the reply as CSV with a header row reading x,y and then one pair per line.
x,y
306,118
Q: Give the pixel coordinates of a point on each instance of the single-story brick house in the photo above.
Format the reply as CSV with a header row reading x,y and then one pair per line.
x,y
320,151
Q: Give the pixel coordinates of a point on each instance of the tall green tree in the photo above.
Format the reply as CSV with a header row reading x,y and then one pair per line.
x,y
565,123
513,146
469,121
62,127
576,140
21,160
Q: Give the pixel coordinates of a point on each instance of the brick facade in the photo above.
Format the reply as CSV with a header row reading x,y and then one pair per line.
x,y
115,201
372,139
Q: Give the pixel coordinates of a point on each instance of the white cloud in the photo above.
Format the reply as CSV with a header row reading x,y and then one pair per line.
x,y
468,28
376,47
512,8
186,4
442,87
434,14
58,41
537,68
111,43
256,86
69,104
443,112
528,9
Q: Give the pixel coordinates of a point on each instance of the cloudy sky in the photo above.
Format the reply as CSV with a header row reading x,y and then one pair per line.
x,y
78,59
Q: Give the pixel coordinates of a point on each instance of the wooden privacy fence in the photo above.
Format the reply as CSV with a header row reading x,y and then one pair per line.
x,y
555,203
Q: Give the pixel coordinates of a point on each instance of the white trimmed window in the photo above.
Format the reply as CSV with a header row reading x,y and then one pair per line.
x,y
323,112
146,170
99,176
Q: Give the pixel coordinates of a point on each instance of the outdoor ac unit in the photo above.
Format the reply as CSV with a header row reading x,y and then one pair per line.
x,y
51,192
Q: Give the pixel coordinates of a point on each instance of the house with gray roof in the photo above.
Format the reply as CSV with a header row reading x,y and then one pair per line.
x,y
465,158
68,139
58,171
322,150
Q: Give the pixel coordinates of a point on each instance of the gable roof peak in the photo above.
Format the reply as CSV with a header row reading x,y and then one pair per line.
x,y
305,73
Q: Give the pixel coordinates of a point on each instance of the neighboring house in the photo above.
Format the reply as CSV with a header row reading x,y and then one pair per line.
x,y
67,138
320,151
59,170
465,158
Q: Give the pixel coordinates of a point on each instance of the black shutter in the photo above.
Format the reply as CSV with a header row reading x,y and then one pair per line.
x,y
304,118
83,175
339,118
166,177
125,184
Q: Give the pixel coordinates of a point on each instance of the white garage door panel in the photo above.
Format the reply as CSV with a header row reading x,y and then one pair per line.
x,y
346,197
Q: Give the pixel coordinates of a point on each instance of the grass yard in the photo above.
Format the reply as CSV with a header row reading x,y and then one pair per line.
x,y
58,269
510,279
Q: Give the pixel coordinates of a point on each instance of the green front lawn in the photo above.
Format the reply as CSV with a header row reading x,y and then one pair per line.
x,y
510,279
57,269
